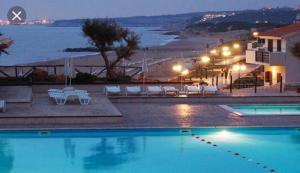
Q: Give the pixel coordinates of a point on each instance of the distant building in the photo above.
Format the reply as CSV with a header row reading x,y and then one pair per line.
x,y
272,49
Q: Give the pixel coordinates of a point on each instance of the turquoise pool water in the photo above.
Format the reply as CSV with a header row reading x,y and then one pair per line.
x,y
291,109
151,151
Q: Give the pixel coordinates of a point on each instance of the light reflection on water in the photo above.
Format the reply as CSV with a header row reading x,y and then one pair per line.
x,y
149,151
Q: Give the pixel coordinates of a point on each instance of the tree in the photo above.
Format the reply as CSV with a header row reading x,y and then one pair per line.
x,y
296,50
4,44
107,35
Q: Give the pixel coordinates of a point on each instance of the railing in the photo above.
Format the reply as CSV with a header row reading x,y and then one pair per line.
x,y
262,56
98,71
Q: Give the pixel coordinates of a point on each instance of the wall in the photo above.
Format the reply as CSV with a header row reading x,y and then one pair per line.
x,y
292,62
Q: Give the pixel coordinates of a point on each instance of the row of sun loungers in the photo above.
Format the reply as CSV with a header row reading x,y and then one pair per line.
x,y
158,90
62,96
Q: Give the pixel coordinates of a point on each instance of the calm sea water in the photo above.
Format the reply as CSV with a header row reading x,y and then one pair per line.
x,y
151,151
41,43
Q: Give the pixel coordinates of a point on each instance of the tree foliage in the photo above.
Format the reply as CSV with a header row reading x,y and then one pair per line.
x,y
296,50
4,46
107,35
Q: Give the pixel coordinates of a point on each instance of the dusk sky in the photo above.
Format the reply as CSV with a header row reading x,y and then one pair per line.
x,y
70,9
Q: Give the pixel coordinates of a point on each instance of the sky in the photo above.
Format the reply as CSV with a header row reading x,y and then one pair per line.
x,y
72,9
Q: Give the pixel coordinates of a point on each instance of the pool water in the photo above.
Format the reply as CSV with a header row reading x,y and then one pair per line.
x,y
290,109
256,150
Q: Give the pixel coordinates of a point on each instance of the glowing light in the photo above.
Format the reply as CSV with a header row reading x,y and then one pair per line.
x,y
225,48
227,136
185,72
236,46
214,52
255,34
226,53
177,68
205,59
239,67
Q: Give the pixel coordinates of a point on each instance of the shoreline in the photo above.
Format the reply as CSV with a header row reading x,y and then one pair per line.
x,y
159,58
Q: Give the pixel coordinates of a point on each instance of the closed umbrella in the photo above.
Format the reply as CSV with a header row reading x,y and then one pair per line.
x,y
144,69
69,70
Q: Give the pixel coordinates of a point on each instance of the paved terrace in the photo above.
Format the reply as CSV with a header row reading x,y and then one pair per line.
x,y
139,112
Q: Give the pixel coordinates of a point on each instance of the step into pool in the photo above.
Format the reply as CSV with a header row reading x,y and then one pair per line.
x,y
245,150
274,109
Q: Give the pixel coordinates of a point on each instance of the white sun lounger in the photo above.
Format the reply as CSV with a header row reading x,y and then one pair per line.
x,y
210,90
2,105
154,90
133,90
116,90
59,98
192,89
84,99
170,90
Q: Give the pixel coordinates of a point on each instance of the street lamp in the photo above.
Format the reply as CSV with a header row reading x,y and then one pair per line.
x,y
177,68
214,52
236,46
205,60
255,34
225,48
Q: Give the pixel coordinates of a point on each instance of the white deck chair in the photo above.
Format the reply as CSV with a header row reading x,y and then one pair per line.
x,y
154,90
3,105
59,98
84,99
116,90
133,90
189,89
170,90
210,90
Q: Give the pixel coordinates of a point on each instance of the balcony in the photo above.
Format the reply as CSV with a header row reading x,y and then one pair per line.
x,y
263,57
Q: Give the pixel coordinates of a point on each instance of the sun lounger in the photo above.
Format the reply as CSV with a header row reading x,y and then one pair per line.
x,y
154,90
133,90
210,90
116,90
59,98
170,90
189,89
2,105
84,99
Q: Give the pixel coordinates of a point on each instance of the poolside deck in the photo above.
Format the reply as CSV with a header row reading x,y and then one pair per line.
x,y
143,112
39,110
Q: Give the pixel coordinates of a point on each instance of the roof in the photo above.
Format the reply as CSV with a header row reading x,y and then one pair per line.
x,y
283,31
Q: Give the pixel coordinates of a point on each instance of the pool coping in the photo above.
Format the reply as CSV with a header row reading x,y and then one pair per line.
x,y
146,128
241,114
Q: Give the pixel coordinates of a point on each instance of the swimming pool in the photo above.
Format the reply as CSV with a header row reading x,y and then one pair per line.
x,y
256,150
274,109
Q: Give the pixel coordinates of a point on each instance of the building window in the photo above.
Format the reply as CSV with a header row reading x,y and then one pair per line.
x,y
278,45
270,45
261,41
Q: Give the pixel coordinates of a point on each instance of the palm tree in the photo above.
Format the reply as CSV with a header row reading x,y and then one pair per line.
x,y
107,35
296,50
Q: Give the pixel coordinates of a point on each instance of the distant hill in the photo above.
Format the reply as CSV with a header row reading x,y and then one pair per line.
x,y
247,19
140,21
214,21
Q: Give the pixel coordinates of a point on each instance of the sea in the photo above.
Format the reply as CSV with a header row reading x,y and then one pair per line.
x,y
37,43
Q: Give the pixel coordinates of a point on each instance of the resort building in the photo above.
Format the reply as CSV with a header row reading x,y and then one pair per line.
x,y
273,50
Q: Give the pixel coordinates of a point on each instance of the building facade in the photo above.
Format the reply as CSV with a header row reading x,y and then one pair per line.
x,y
273,50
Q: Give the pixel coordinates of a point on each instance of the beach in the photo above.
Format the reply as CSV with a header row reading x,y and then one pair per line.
x,y
160,59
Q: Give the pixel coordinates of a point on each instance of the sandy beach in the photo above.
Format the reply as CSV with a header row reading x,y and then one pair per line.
x,y
161,58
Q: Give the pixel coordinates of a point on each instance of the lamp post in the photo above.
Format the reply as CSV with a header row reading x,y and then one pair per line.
x,y
205,60
178,69
226,53
239,68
